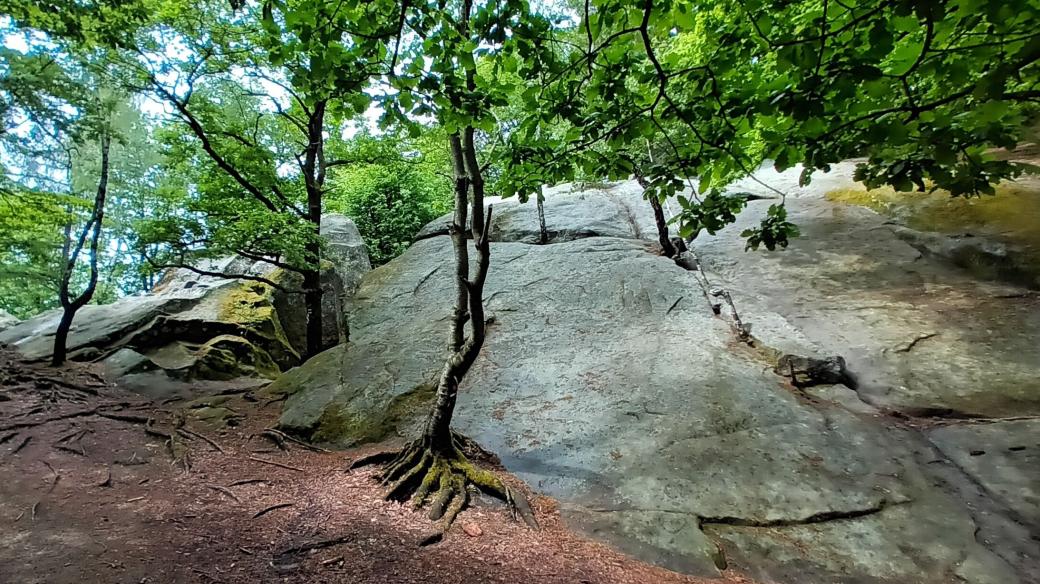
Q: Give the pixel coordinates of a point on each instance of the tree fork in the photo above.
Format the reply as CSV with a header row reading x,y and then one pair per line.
x,y
93,228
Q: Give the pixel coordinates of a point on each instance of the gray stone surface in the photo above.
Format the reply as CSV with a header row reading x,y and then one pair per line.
x,y
126,362
1003,457
570,213
920,334
607,383
345,250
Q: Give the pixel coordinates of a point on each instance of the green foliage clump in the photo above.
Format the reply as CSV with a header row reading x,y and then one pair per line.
x,y
394,189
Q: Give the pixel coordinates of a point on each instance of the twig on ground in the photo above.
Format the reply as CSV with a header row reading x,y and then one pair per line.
x,y
21,445
248,482
331,561
131,418
317,545
273,463
70,449
267,510
278,433
57,477
205,439
34,423
225,491
211,577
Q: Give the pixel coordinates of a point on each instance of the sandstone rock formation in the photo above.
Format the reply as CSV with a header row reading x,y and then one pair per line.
x,y
609,382
194,326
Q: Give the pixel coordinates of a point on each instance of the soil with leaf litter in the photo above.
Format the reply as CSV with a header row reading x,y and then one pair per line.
x,y
101,485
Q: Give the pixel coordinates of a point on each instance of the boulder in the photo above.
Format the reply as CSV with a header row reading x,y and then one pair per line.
x,y
571,212
608,382
7,320
194,326
346,251
345,262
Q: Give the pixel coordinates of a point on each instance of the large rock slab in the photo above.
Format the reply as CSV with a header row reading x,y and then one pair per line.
x,y
7,320
920,334
1004,458
607,382
571,212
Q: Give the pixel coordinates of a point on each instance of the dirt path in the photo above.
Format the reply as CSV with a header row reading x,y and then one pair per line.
x,y
93,493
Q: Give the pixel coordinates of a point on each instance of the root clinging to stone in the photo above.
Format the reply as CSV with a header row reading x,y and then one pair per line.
x,y
442,478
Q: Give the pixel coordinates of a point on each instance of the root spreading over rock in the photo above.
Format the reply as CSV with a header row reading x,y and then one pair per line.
x,y
442,478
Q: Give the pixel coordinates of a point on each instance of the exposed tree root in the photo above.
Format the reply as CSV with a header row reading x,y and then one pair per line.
x,y
441,478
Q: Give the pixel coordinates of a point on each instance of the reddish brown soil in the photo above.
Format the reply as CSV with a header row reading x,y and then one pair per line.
x,y
90,498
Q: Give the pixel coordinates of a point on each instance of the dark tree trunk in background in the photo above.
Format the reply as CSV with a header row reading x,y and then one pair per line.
x,y
92,230
659,218
314,177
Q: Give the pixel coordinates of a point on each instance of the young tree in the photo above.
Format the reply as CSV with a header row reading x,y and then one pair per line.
x,y
440,77
100,123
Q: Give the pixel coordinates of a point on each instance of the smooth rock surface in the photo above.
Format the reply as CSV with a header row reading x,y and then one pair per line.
x,y
7,320
1003,457
920,334
571,212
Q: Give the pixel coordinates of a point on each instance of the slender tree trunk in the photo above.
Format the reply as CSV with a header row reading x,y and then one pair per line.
x,y
469,299
543,234
314,176
659,218
93,230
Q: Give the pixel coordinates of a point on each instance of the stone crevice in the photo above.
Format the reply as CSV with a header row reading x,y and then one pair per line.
x,y
822,517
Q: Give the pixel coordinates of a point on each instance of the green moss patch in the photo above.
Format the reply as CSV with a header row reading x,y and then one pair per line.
x,y
343,426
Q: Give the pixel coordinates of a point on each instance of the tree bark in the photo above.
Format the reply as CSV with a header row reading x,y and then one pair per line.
x,y
469,299
93,230
659,219
314,178
543,234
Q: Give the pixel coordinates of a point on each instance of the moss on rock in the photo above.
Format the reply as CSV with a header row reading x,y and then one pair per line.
x,y
251,305
229,356
342,425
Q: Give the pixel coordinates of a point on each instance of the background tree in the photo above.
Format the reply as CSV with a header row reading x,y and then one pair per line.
x,y
394,187
923,90
99,131
260,92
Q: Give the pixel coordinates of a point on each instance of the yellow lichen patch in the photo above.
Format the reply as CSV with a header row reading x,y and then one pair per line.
x,y
247,304
1011,216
